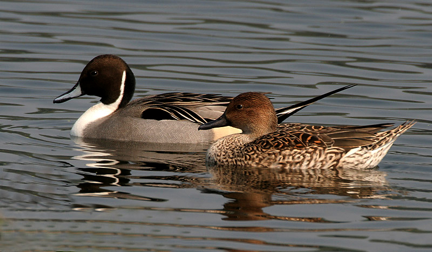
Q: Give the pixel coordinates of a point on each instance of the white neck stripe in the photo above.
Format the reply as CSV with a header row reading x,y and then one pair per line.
x,y
114,106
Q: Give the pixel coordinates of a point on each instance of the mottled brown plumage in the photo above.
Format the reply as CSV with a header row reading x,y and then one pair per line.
x,y
295,146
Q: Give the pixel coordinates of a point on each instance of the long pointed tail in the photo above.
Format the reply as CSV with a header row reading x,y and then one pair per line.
x,y
391,135
285,112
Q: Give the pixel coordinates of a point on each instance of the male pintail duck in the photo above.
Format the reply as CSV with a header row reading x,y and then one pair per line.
x,y
164,118
264,143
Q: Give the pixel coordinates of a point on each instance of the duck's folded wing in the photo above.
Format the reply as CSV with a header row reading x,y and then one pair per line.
x,y
349,137
188,99
194,107
283,140
173,112
199,108
299,136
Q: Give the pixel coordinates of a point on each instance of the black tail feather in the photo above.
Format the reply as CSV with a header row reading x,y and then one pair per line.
x,y
284,113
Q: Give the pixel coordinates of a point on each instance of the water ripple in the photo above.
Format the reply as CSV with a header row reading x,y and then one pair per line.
x,y
58,194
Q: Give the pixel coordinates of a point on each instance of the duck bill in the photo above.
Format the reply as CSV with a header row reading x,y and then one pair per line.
x,y
220,122
72,93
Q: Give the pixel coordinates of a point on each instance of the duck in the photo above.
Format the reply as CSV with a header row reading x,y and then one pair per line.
x,y
294,146
163,118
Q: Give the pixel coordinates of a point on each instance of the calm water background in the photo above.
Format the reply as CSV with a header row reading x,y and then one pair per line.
x,y
61,194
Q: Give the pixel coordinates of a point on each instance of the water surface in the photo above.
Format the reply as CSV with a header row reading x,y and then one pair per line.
x,y
60,194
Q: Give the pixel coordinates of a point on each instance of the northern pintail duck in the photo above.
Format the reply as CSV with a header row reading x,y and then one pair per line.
x,y
164,118
264,143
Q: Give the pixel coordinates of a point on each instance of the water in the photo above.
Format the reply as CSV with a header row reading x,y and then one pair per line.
x,y
59,194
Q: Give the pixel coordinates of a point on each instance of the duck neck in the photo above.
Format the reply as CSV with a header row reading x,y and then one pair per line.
x,y
254,131
257,133
99,110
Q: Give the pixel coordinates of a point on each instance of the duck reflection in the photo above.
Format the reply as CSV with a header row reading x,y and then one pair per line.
x,y
119,166
250,190
112,163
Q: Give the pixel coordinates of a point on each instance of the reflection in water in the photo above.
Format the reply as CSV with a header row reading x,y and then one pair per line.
x,y
113,164
248,190
252,189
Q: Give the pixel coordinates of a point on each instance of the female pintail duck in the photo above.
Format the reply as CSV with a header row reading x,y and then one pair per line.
x,y
264,143
164,118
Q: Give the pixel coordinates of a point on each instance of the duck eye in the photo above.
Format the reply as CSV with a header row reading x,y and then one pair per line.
x,y
94,73
239,107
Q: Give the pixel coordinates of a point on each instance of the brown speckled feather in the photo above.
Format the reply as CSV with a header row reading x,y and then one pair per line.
x,y
295,146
